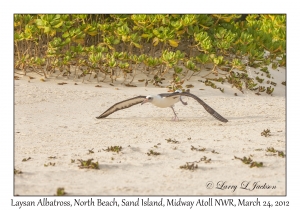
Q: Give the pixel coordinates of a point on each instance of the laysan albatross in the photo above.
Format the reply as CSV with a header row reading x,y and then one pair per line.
x,y
162,100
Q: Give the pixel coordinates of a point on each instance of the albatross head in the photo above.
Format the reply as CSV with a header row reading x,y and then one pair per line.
x,y
148,99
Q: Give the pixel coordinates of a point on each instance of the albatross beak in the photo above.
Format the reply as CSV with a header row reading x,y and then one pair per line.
x,y
145,101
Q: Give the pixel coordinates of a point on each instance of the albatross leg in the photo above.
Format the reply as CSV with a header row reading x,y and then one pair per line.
x,y
184,103
175,118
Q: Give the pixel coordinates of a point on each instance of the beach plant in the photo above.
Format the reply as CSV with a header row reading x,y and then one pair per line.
x,y
213,151
173,141
62,83
256,164
259,79
135,62
151,152
250,162
270,149
91,151
88,164
266,132
261,88
117,44
177,82
17,171
193,165
209,83
197,149
189,86
26,159
270,90
191,65
279,153
244,159
49,164
116,149
189,166
204,159
60,191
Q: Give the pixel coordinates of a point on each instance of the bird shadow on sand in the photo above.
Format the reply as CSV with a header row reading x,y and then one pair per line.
x,y
123,166
231,121
155,118
260,118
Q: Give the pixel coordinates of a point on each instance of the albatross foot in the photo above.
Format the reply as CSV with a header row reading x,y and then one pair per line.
x,y
175,118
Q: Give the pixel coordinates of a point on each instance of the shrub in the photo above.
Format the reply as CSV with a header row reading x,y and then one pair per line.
x,y
115,45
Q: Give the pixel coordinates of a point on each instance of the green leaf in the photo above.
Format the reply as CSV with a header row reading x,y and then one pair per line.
x,y
177,70
79,41
173,43
116,41
66,34
67,41
145,35
39,23
92,33
58,25
46,30
156,32
137,45
155,41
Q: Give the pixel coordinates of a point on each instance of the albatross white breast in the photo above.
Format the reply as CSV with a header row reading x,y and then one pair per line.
x,y
163,100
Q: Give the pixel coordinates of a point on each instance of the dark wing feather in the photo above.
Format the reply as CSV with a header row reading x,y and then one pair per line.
x,y
164,94
122,105
206,107
167,94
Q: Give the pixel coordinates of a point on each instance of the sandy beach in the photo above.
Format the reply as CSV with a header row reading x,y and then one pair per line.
x,y
56,123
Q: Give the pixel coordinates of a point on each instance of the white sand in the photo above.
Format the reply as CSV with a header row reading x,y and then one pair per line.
x,y
56,120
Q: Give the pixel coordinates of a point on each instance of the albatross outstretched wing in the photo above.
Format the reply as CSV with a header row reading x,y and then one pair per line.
x,y
206,107
122,105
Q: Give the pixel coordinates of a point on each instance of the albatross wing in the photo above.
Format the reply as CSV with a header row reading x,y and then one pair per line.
x,y
122,105
206,107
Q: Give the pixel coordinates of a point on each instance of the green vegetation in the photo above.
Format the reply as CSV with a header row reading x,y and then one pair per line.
x,y
26,159
215,152
151,152
169,140
60,191
89,164
259,79
192,165
91,151
266,133
279,153
49,164
256,164
189,166
110,47
17,171
250,161
197,149
116,149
